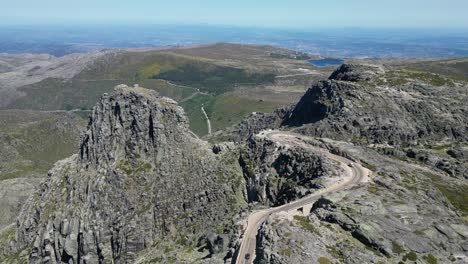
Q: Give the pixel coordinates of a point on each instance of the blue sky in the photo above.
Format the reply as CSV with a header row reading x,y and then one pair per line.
x,y
261,13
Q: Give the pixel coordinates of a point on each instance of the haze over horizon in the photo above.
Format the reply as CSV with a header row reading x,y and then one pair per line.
x,y
295,14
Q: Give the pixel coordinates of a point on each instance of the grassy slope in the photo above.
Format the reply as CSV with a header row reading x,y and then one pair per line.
x,y
55,94
33,141
205,73
193,109
223,110
454,68
229,109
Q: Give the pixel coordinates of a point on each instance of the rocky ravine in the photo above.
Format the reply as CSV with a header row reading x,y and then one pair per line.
x,y
141,188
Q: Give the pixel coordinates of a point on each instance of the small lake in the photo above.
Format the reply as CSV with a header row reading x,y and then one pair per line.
x,y
326,62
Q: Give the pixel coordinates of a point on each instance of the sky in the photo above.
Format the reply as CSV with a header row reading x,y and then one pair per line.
x,y
298,14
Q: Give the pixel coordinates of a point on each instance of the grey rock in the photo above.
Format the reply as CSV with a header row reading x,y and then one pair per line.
x,y
277,174
140,180
460,153
356,72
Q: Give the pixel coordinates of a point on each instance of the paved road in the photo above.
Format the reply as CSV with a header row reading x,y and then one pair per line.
x,y
355,174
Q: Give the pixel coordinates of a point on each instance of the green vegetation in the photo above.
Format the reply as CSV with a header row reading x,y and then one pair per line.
x,y
374,188
193,109
396,78
173,75
370,166
229,109
396,248
6,236
168,89
212,78
133,65
306,224
457,194
55,94
419,232
223,110
410,256
286,252
192,71
200,73
145,167
294,56
335,253
183,241
220,229
373,250
453,68
125,166
35,141
430,259
168,249
324,260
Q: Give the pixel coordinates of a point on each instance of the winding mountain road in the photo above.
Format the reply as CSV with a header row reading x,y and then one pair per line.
x,y
354,174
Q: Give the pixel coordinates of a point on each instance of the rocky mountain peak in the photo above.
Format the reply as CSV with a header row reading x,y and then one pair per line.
x,y
132,122
351,105
140,182
322,99
356,72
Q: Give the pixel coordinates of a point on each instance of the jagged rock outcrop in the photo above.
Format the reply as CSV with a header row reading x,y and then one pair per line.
x,y
253,124
404,213
140,188
451,166
356,72
277,174
459,153
345,107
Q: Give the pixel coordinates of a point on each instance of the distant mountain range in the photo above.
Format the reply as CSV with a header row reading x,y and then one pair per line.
x,y
347,42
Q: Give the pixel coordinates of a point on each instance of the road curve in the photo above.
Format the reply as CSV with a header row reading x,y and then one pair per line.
x,y
355,173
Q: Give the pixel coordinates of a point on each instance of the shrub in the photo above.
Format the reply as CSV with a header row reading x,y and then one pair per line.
x,y
324,260
410,256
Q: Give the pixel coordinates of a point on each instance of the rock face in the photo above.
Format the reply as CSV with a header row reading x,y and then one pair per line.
x,y
460,153
379,112
140,181
404,213
356,72
277,174
255,123
453,166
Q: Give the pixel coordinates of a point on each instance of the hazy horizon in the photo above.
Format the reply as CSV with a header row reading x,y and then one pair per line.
x,y
338,28
295,14
60,40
